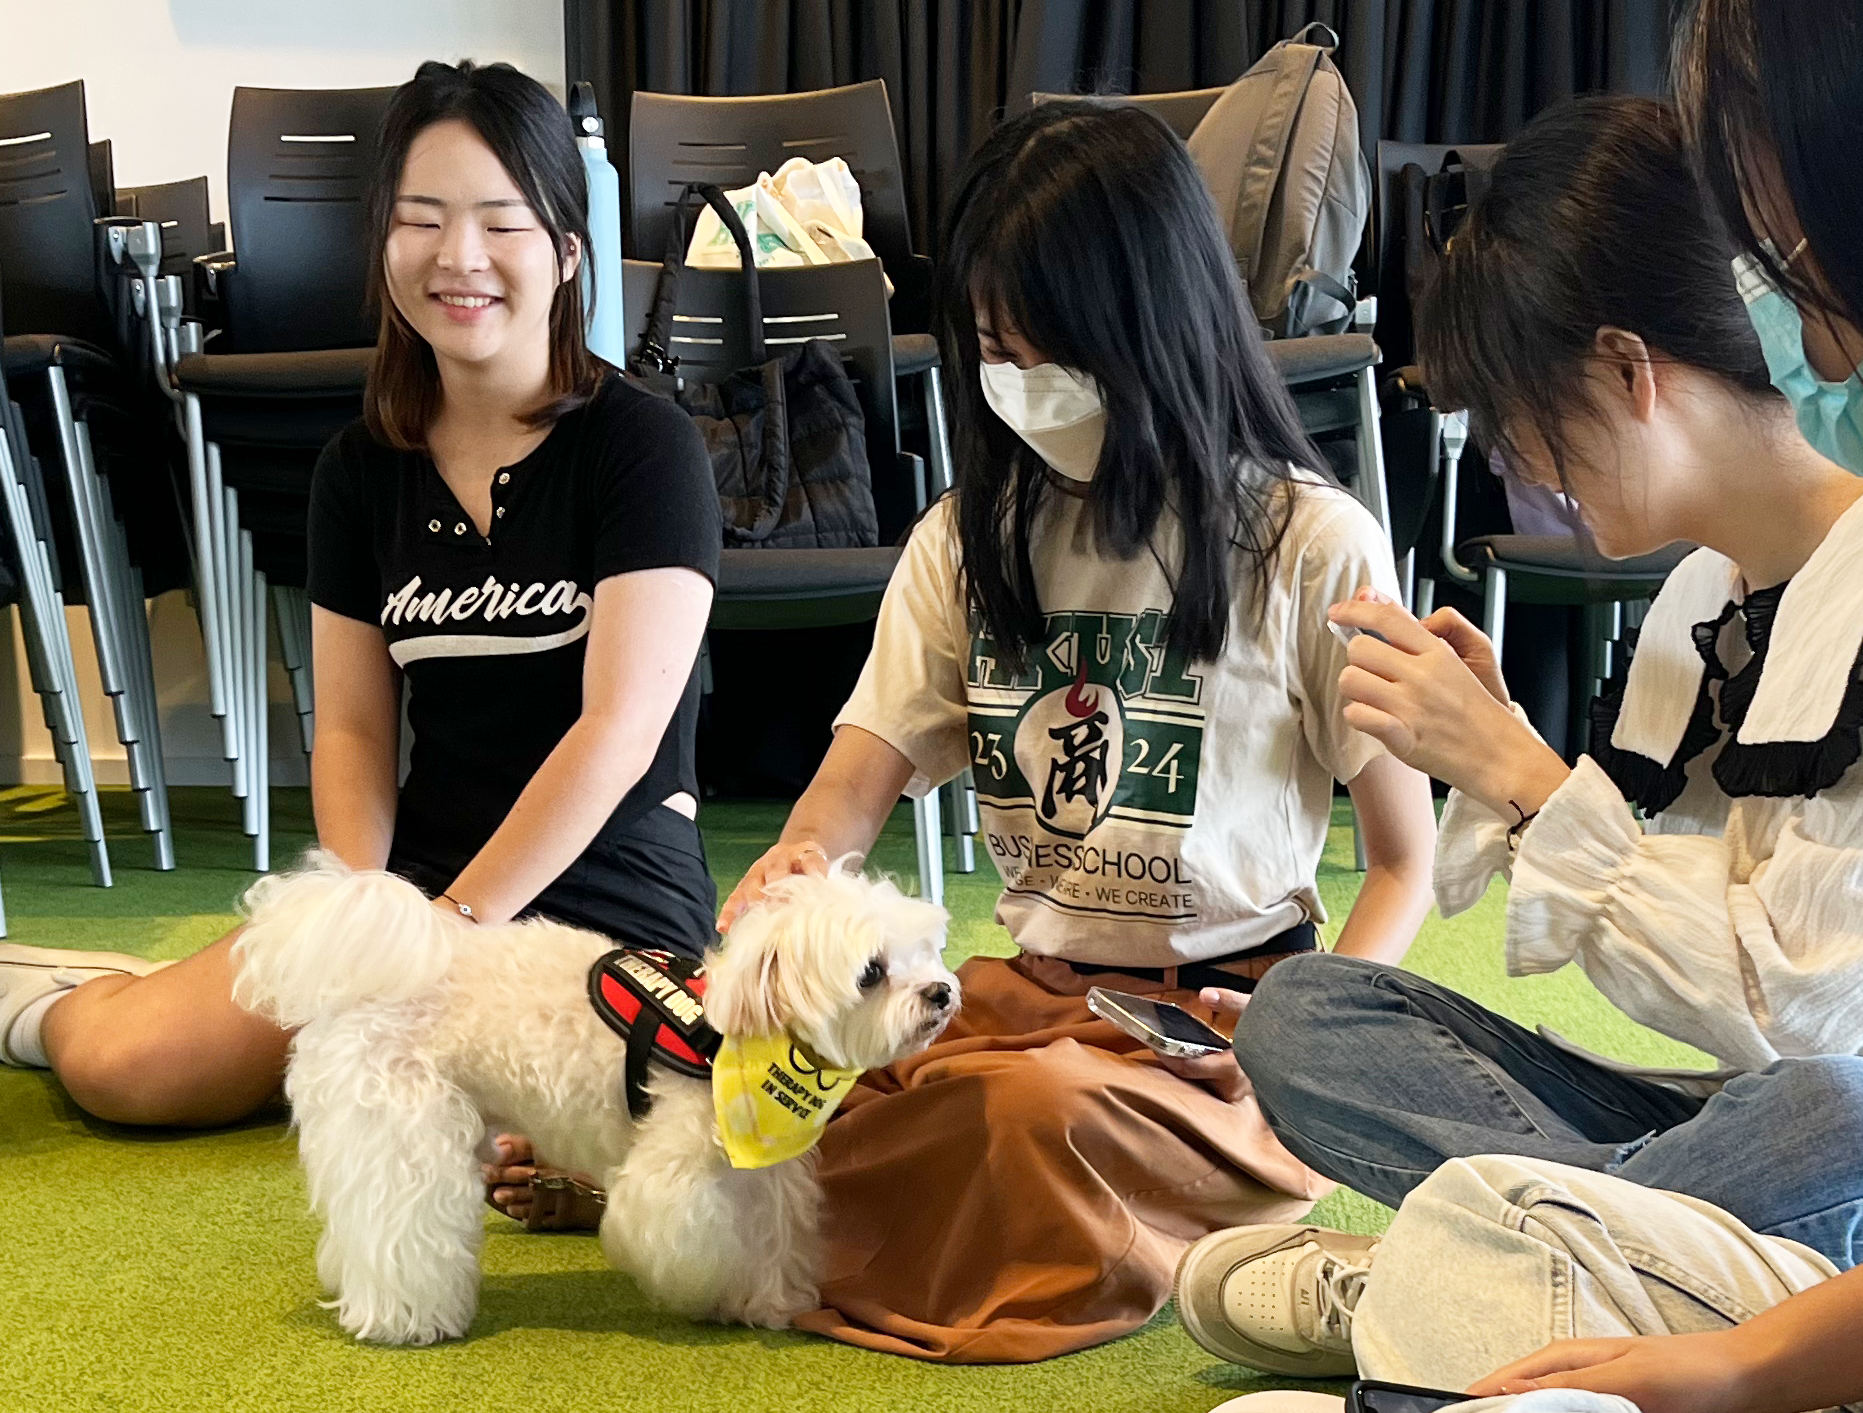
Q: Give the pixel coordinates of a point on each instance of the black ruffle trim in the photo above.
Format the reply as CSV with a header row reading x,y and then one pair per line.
x,y
1650,784
1783,769
1774,769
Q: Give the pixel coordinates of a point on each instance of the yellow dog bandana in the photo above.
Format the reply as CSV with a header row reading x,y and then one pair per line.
x,y
772,1098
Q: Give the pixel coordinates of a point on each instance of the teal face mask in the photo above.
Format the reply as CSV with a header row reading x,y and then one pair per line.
x,y
1829,414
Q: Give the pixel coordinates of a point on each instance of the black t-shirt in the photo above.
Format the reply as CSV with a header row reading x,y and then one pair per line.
x,y
491,633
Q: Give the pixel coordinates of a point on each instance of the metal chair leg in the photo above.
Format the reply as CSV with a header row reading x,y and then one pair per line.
x,y
261,717
206,578
928,832
1359,861
1494,608
223,530
962,821
943,474
1371,487
293,610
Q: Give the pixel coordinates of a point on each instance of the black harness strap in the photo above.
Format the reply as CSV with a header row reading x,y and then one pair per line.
x,y
655,1001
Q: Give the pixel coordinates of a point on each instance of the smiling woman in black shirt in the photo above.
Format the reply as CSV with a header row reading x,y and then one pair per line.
x,y
524,540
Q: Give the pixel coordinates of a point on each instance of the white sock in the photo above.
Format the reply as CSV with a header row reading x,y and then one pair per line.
x,y
25,1042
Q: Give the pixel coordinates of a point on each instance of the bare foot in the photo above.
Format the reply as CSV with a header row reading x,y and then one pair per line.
x,y
543,1199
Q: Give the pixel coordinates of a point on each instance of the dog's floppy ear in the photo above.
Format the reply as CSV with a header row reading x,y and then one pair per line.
x,y
744,978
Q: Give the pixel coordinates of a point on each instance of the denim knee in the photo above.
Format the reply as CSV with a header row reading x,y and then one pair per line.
x,y
1292,1009
1817,1100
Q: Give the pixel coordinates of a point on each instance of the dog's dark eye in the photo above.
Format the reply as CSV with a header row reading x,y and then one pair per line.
x,y
873,975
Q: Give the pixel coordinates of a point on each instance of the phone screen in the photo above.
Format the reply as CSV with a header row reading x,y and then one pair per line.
x,y
1386,1398
1163,1018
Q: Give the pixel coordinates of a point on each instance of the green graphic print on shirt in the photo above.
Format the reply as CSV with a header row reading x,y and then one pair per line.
x,y
1086,765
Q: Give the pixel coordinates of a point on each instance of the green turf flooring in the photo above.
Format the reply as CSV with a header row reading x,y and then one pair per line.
x,y
173,1271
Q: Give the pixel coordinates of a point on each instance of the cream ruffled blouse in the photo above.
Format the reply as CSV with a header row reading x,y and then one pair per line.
x,y
1731,916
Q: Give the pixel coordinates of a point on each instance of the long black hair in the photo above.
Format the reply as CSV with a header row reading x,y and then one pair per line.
x,y
1593,218
533,138
1089,228
1772,95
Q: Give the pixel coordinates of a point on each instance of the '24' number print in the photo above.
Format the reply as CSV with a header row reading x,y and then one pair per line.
x,y
986,753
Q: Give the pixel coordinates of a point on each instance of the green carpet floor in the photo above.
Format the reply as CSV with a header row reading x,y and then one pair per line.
x,y
173,1271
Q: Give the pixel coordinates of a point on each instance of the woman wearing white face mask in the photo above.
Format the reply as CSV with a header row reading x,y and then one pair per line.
x,y
1118,623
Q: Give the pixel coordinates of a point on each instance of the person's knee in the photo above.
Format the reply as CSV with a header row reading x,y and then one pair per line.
x,y
1292,1008
1046,1095
133,1076
116,1077
1821,1094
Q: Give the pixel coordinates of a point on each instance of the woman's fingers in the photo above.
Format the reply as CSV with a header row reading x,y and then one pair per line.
x,y
1390,621
783,861
1559,1358
1387,730
1223,1002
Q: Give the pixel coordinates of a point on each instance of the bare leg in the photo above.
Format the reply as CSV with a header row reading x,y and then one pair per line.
x,y
170,1048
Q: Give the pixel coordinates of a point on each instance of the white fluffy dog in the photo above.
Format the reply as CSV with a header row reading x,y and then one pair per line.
x,y
418,1033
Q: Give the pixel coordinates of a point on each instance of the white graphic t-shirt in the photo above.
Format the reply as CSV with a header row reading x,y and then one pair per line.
x,y
1142,809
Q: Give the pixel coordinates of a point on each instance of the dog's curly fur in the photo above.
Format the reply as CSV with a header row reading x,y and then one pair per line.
x,y
418,1033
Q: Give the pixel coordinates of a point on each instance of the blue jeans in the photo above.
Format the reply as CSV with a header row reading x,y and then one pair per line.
x,y
1374,1077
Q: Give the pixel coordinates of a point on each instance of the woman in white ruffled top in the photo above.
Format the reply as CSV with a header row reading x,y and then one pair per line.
x,y
1703,863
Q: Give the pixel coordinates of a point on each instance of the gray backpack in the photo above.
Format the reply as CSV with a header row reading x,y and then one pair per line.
x,y
1280,152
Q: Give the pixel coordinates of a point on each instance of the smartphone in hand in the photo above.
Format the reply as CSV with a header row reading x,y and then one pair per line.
x,y
1368,1396
1168,1029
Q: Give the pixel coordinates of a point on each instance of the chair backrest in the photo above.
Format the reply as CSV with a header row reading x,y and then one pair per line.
x,y
180,209
674,139
47,206
843,304
1180,112
103,177
298,167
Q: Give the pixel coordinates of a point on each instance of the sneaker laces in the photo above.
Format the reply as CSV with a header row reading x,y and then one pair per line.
x,y
1337,1287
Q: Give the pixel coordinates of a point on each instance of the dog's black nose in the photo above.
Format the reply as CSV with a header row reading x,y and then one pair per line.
x,y
938,996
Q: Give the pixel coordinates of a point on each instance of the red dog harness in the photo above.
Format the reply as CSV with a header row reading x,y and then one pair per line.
x,y
656,1001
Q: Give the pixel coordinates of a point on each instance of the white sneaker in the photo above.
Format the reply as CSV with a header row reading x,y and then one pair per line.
x,y
28,974
1278,1298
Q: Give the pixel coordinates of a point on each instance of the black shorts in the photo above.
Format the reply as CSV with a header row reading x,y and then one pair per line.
x,y
648,885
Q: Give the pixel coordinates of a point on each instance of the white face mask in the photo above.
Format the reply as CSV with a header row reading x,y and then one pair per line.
x,y
1055,410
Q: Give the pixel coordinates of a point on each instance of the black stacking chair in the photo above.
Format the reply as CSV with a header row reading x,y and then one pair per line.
x,y
180,211
779,588
291,358
674,139
1180,112
54,186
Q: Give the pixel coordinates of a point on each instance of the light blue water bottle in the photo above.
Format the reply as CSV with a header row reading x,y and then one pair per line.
x,y
607,317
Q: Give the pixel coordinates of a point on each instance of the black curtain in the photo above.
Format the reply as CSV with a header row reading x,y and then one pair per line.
x,y
1421,70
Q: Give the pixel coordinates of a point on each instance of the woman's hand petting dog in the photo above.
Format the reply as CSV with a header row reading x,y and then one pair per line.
x,y
1220,1074
784,860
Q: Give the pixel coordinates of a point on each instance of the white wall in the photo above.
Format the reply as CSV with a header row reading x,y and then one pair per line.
x,y
159,74
158,81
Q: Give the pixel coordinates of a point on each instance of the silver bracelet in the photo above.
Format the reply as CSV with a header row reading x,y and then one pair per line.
x,y
465,909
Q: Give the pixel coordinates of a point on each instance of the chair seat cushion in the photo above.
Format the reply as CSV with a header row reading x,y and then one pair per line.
x,y
1322,357
804,588
803,573
26,354
322,372
914,353
1561,555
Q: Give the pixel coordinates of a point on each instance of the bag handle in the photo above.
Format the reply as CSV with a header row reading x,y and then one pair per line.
x,y
654,356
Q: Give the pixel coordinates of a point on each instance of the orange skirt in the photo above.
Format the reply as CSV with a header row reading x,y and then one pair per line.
x,y
1025,1187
